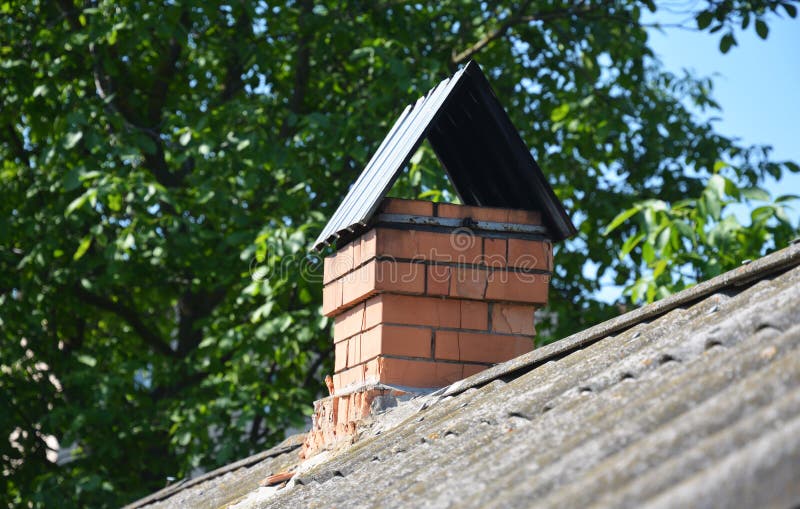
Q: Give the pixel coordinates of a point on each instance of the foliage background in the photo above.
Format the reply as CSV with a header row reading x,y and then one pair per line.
x,y
165,167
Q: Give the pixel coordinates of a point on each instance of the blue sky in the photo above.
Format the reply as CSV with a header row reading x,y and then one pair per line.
x,y
756,83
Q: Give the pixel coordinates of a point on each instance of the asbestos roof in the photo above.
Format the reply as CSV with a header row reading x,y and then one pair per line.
x,y
693,401
484,156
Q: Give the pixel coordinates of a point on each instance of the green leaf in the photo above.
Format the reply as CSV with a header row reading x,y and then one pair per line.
x,y
185,138
82,247
756,193
648,253
630,243
661,265
762,29
621,218
727,42
790,9
87,359
704,20
560,113
89,195
72,139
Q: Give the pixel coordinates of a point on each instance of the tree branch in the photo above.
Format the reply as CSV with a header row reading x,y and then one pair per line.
x,y
302,69
491,36
516,19
129,315
16,143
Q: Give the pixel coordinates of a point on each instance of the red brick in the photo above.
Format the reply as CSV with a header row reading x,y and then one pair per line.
x,y
422,245
413,310
349,377
492,348
468,283
368,245
518,287
401,277
396,340
340,356
348,323
371,371
332,297
382,276
530,254
494,253
411,207
438,282
476,213
513,319
341,409
477,347
419,374
516,216
355,252
338,264
474,315
447,345
358,284
373,314
353,351
473,369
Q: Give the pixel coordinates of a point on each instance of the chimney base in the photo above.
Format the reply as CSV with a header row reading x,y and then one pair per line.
x,y
336,418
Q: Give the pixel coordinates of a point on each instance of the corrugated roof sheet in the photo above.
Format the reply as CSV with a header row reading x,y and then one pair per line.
x,y
486,159
693,401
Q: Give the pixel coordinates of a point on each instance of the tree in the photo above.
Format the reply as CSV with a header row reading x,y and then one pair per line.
x,y
165,167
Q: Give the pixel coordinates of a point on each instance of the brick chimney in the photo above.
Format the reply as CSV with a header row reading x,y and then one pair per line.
x,y
424,294
431,294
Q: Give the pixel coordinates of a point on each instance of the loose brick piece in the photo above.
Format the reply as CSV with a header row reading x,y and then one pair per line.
x,y
513,319
518,287
530,254
348,323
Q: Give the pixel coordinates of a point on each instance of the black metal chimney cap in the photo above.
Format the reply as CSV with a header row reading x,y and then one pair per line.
x,y
482,152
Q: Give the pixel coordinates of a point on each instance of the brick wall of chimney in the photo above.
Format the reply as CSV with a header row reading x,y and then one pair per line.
x,y
418,308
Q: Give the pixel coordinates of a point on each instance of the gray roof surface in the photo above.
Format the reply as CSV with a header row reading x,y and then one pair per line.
x,y
482,152
692,401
